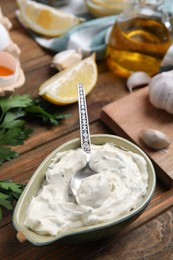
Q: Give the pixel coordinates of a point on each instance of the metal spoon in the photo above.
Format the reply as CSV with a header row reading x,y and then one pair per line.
x,y
85,142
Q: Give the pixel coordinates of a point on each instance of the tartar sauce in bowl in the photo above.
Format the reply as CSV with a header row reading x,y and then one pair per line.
x,y
119,186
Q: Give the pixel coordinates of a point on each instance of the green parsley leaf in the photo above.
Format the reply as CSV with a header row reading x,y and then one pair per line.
x,y
0,214
6,154
7,103
3,196
10,120
8,185
39,112
14,136
9,192
6,204
14,111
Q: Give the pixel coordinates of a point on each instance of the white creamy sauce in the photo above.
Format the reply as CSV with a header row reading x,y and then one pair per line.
x,y
117,188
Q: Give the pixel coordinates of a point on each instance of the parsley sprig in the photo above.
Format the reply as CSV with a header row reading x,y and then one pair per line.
x,y
14,112
9,193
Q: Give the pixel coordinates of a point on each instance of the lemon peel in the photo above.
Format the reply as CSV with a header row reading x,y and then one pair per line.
x,y
61,89
45,20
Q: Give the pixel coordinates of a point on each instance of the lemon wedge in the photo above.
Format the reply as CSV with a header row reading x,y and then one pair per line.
x,y
45,20
61,89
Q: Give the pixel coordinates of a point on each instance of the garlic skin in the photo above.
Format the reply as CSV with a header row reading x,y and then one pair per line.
x,y
154,139
5,37
6,43
5,21
138,79
9,59
168,58
13,49
161,91
65,59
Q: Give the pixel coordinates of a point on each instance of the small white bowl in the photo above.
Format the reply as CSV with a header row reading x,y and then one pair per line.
x,y
88,233
101,8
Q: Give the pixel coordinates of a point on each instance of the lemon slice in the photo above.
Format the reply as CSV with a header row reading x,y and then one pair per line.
x,y
61,89
45,20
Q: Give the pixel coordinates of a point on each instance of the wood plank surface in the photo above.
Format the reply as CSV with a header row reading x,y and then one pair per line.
x,y
149,237
131,114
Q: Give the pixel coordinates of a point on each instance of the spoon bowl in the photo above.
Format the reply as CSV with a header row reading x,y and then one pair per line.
x,y
85,142
79,177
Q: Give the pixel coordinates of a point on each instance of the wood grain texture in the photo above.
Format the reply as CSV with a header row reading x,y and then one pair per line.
x,y
149,237
131,114
151,241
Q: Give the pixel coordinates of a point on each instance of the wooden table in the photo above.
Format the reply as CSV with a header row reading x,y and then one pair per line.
x,y
151,237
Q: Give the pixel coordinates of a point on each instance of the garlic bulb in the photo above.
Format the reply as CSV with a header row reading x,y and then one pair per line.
x,y
137,79
13,49
161,91
5,21
65,59
6,43
154,139
5,37
168,58
11,74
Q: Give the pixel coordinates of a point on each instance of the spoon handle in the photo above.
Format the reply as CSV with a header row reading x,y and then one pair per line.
x,y
83,119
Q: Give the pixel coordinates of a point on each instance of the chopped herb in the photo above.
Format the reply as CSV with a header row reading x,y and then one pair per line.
x,y
9,192
6,154
45,112
14,112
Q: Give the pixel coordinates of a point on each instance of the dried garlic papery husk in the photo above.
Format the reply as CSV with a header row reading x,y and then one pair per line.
x,y
11,75
154,139
138,79
5,37
6,44
65,59
5,21
161,91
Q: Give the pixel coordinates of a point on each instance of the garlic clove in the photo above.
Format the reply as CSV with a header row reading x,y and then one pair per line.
x,y
6,43
138,79
5,37
65,59
168,58
154,139
5,21
11,75
161,91
13,49
169,103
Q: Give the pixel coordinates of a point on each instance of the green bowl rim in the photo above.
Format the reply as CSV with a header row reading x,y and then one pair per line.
x,y
97,227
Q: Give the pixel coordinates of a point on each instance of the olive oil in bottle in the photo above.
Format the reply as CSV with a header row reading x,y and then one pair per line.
x,y
139,40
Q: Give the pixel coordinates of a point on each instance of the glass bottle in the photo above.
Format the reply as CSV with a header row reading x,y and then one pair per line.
x,y
139,39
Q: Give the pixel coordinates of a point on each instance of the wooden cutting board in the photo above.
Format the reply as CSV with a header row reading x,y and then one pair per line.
x,y
134,112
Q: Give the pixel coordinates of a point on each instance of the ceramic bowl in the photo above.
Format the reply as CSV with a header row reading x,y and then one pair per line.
x,y
88,233
99,8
